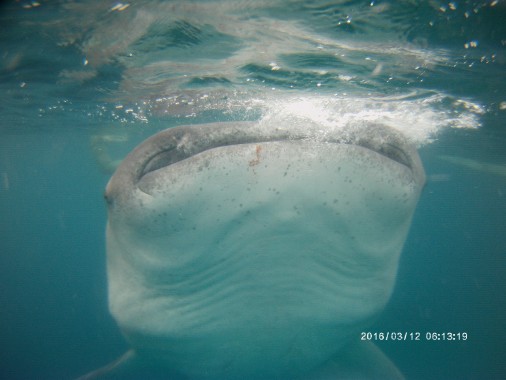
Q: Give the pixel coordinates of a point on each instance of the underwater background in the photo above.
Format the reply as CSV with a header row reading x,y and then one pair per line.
x,y
82,83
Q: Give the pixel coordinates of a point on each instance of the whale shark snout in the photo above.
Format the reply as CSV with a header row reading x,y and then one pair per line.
x,y
242,250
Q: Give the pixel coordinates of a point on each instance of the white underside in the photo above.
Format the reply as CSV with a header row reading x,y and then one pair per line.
x,y
260,259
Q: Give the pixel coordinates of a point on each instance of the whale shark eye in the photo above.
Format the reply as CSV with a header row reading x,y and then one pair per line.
x,y
108,199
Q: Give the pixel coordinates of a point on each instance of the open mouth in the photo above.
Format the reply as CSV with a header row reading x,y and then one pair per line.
x,y
184,142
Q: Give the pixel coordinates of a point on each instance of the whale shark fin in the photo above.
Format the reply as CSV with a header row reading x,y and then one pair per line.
x,y
360,360
114,369
130,366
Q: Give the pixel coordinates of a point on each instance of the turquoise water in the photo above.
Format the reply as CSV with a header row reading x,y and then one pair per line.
x,y
81,83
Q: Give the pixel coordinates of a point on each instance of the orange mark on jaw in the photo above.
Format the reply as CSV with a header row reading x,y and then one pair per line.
x,y
256,161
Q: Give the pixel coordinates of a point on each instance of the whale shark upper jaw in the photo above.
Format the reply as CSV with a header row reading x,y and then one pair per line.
x,y
184,142
178,144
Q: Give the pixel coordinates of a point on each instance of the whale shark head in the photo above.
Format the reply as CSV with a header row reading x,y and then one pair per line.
x,y
243,250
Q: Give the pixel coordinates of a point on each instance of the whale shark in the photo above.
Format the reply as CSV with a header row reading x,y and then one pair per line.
x,y
244,250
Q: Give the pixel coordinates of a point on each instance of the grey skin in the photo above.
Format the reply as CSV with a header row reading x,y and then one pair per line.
x,y
257,251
